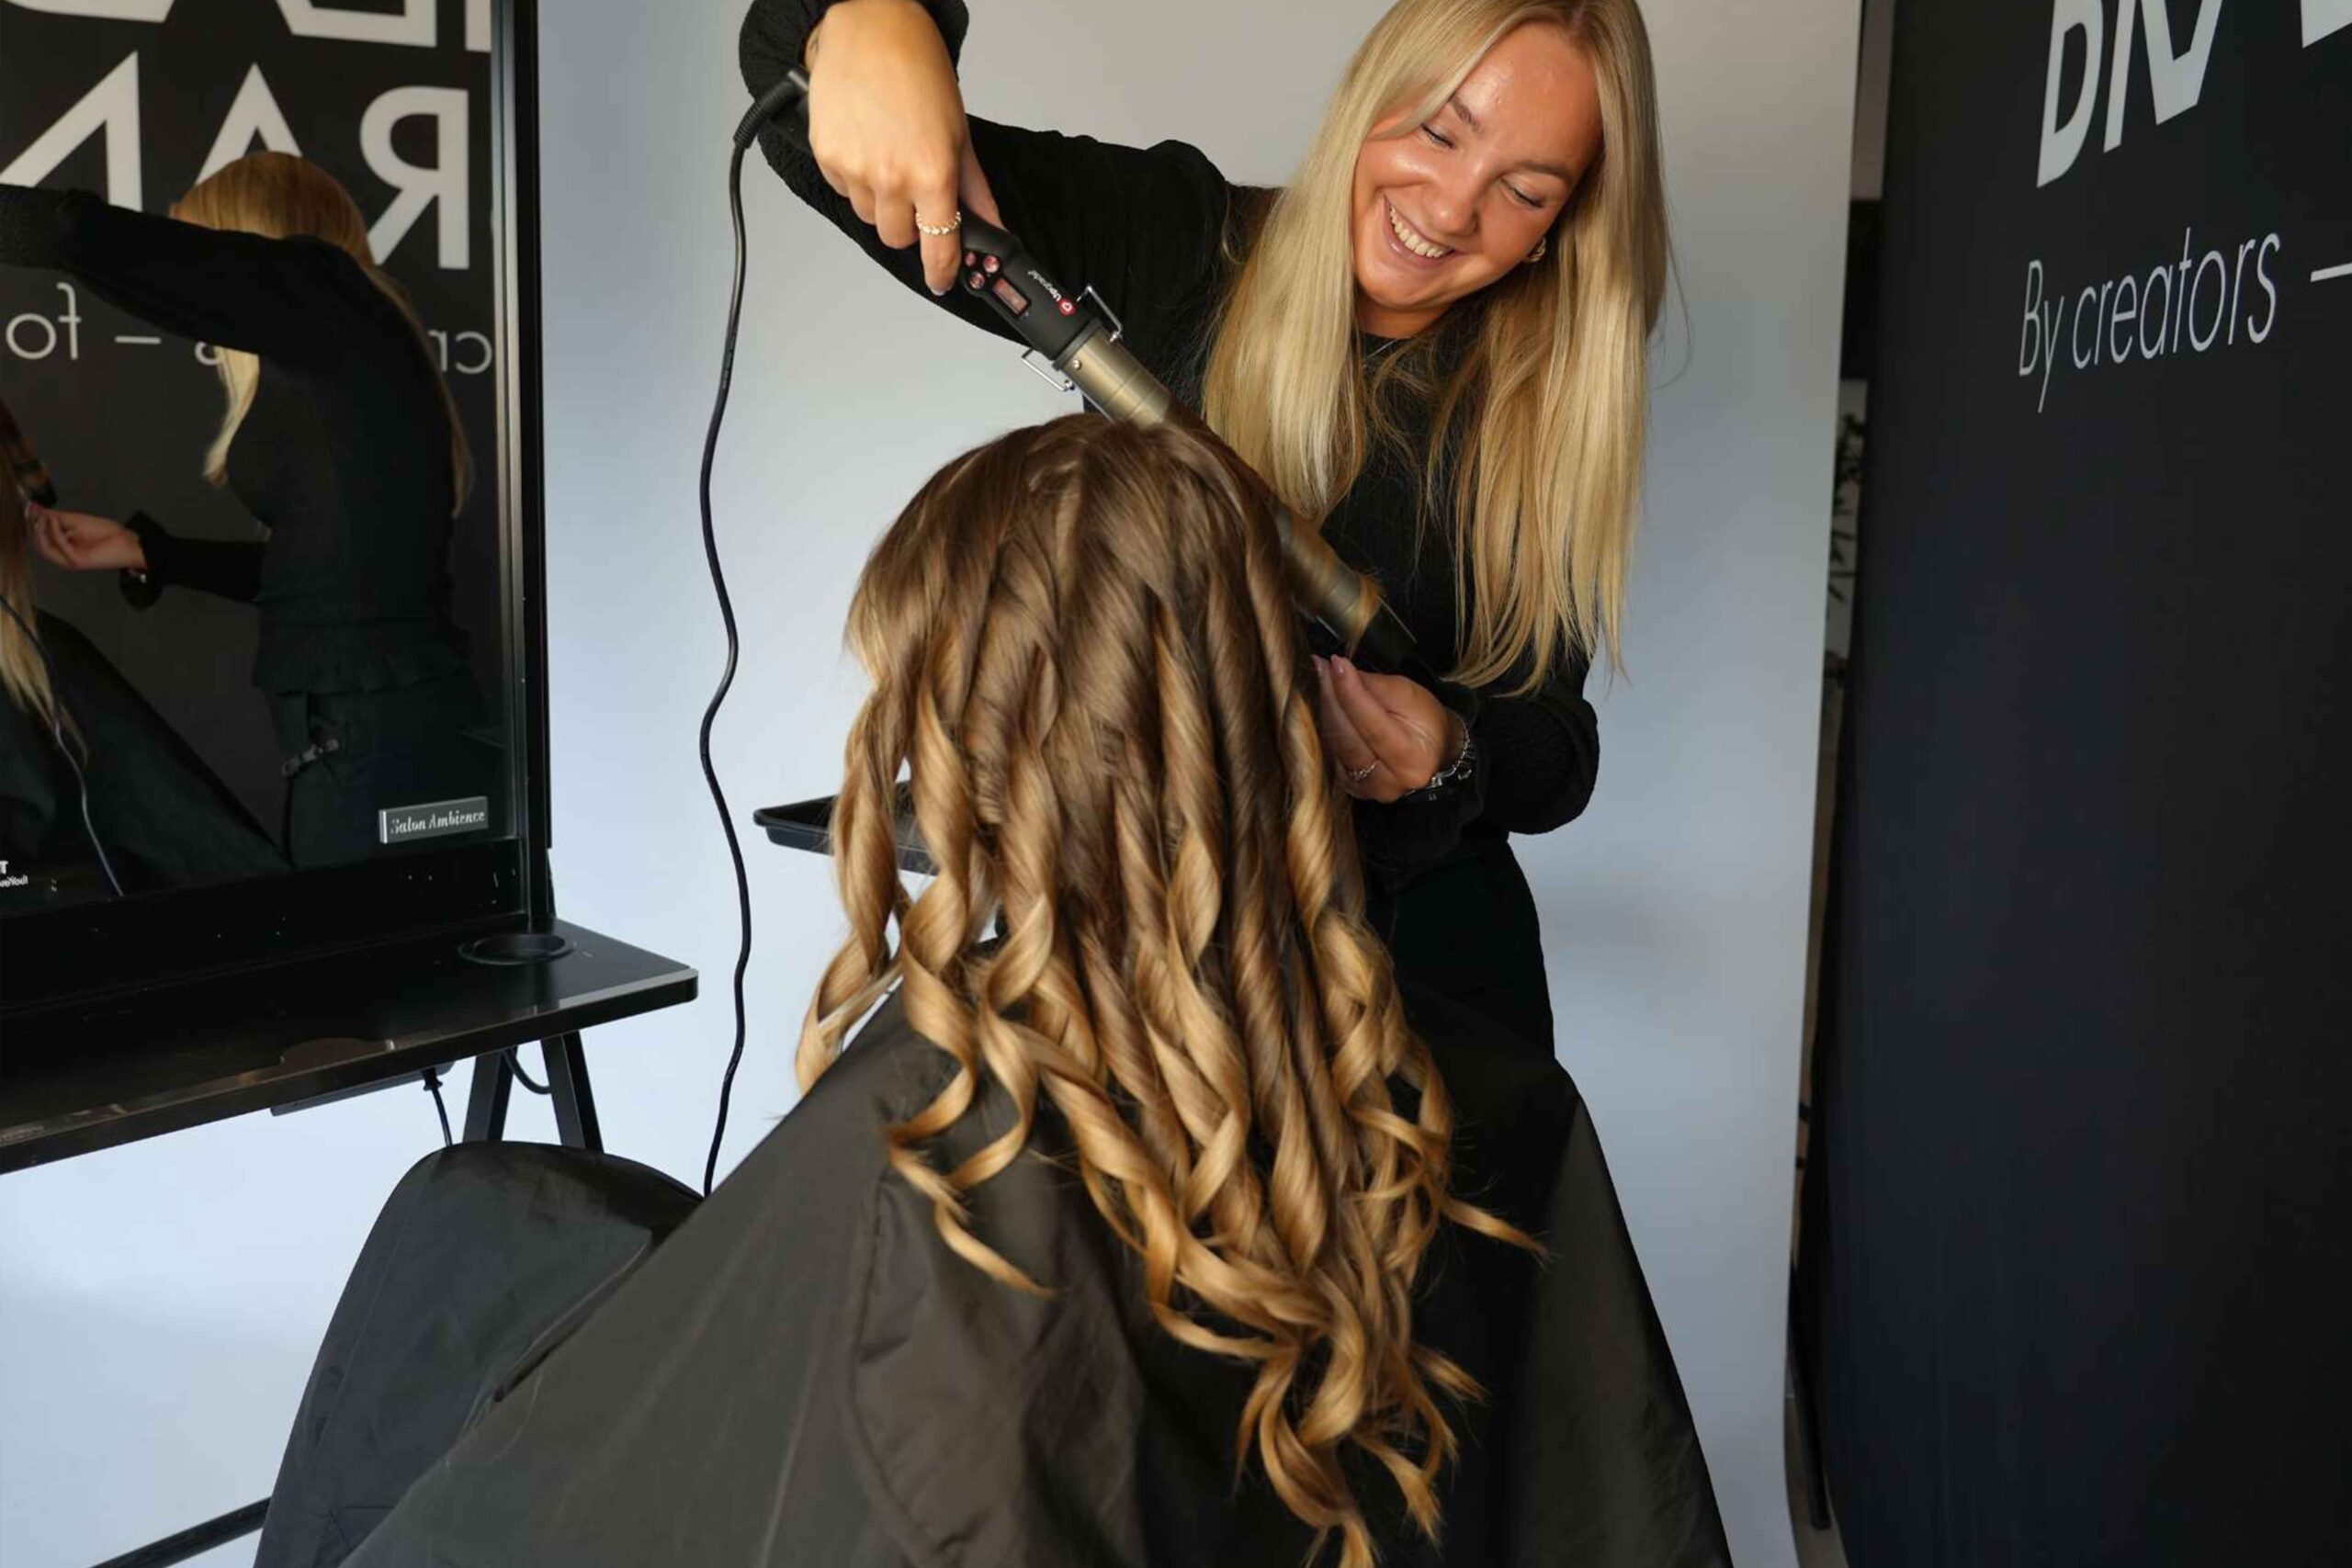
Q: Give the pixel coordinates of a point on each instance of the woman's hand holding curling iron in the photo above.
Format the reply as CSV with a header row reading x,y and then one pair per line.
x,y
887,128
1390,736
79,542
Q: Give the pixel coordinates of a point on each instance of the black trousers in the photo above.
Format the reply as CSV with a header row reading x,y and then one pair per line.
x,y
1466,930
354,754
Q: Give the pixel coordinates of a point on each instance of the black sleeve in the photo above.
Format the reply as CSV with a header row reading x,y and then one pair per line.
x,y
1537,758
1145,226
1541,753
226,567
284,299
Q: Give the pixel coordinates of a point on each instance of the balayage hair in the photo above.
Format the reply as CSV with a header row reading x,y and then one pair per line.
x,y
1551,396
1084,652
281,196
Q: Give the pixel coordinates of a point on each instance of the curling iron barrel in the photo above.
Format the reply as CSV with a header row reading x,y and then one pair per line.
x,y
1344,600
1077,337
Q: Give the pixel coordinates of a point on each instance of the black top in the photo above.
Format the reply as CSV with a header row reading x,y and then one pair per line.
x,y
806,1374
344,455
1147,227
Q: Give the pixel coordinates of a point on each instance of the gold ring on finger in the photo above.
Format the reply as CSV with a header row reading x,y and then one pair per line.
x,y
937,230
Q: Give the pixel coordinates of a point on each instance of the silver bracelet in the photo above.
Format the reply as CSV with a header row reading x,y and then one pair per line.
x,y
1457,770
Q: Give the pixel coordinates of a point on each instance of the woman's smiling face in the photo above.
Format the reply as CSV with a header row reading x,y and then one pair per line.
x,y
1447,207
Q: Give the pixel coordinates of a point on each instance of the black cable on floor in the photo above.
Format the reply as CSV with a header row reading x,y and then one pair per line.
x,y
727,679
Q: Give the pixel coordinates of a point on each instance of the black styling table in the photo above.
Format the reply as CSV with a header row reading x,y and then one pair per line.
x,y
76,1078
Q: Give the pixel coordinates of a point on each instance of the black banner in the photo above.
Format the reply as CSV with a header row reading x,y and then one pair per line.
x,y
139,99
2083,1202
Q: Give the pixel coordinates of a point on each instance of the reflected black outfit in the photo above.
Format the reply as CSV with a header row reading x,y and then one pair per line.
x,y
166,818
345,457
803,1375
1146,226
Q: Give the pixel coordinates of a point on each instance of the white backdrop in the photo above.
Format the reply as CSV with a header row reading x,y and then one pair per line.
x,y
160,1303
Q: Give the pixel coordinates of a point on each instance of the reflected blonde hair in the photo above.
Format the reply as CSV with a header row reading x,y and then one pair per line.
x,y
22,673
281,196
1548,405
1084,649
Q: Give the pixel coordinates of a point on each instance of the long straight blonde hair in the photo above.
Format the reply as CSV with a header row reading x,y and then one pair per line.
x,y
1552,395
281,196
1084,651
23,675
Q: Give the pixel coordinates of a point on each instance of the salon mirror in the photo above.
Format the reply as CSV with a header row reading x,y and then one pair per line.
x,y
325,672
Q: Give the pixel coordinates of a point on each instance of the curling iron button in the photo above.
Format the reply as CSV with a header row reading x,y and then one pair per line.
x,y
991,265
970,259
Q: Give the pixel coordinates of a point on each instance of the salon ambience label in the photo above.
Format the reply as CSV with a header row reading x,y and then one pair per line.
x,y
402,824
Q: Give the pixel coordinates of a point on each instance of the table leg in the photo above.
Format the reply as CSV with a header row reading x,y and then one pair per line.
x,y
575,1106
189,1543
486,1100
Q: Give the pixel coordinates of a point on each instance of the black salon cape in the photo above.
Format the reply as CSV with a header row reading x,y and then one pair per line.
x,y
485,1258
803,1375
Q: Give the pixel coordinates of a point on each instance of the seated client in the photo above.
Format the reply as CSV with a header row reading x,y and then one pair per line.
x,y
1142,1221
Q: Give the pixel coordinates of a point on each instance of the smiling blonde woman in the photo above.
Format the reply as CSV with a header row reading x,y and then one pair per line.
x,y
1434,343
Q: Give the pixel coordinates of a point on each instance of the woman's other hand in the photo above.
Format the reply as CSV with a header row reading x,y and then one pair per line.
x,y
887,128
1390,736
79,542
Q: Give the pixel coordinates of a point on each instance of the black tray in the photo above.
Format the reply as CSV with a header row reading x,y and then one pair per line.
x,y
809,825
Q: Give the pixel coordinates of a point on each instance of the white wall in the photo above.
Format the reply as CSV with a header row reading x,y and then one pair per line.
x,y
1674,911
160,1303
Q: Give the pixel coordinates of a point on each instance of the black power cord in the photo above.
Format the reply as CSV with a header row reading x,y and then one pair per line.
x,y
514,1065
57,734
433,1085
727,678
790,92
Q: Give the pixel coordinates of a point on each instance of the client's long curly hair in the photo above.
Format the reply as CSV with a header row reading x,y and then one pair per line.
x,y
1084,652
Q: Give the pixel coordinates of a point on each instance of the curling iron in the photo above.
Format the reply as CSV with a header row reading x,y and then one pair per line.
x,y
1073,340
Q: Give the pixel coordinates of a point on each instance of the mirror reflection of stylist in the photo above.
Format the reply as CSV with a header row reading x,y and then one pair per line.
x,y
1434,342
341,437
